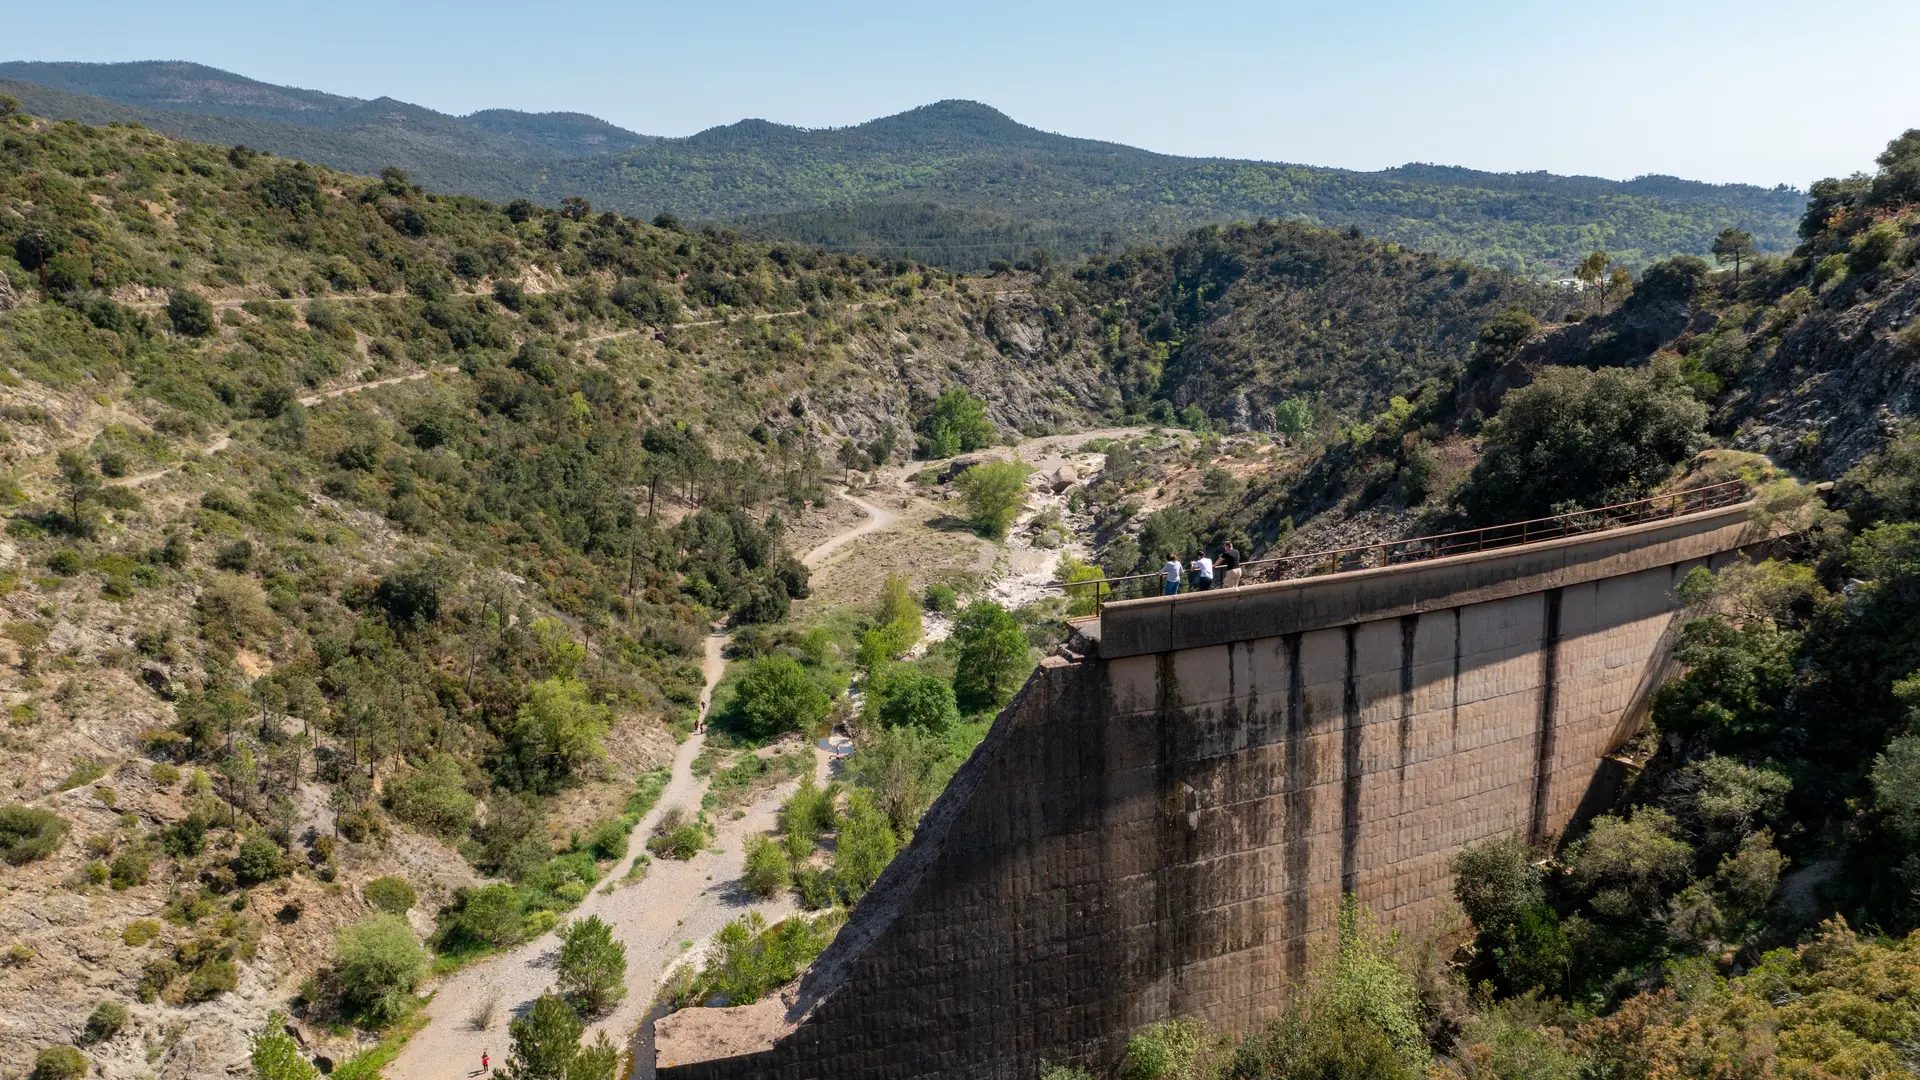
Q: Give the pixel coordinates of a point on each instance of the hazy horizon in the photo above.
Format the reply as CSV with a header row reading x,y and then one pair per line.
x,y
1752,93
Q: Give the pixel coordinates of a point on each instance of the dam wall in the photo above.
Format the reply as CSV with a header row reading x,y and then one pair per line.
x,y
1165,822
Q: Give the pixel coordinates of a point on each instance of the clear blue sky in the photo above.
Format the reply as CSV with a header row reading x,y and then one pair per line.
x,y
1758,91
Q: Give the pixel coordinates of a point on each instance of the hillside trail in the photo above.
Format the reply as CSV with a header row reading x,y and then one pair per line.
x,y
218,444
759,316
221,440
675,908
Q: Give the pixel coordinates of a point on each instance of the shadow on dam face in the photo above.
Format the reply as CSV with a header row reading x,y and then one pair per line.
x,y
1164,820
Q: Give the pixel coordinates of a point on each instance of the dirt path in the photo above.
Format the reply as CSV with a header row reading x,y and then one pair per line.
x,y
876,520
676,908
759,316
327,395
137,479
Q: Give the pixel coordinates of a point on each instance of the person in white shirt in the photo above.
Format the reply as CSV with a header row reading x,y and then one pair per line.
x,y
1202,573
1171,572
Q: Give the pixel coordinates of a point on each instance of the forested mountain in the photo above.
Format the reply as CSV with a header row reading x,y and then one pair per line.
x,y
495,153
954,184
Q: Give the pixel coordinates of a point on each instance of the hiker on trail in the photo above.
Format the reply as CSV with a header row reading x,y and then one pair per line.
x,y
1202,573
1171,572
484,1061
1228,566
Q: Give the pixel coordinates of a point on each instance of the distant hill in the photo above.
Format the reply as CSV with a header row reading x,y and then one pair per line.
x,y
495,154
955,183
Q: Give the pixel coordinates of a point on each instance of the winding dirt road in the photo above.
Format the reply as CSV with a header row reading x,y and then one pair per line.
x,y
677,907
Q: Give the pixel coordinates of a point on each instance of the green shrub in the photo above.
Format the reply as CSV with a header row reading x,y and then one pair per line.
x,y
277,1056
865,847
994,494
608,841
488,917
164,774
67,562
390,894
141,931
777,695
380,962
191,313
750,959
592,969
105,1021
434,797
131,867
211,979
28,833
1577,438
767,873
1177,1049
59,1063
259,859
993,659
674,837
913,699
942,598
956,423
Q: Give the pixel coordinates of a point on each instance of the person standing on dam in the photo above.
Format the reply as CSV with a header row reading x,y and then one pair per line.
x,y
1227,566
1171,572
1202,573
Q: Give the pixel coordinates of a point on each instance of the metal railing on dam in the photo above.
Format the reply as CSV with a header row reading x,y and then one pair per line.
x,y
1092,594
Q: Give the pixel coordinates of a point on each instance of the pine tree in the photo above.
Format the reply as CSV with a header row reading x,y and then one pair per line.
x,y
593,966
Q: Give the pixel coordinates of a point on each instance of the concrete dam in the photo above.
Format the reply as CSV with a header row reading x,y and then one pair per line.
x,y
1163,822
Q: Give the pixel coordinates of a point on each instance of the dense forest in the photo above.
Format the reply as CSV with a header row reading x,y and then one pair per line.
x,y
954,184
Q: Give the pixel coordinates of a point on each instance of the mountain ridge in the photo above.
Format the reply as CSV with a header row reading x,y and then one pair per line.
x,y
994,181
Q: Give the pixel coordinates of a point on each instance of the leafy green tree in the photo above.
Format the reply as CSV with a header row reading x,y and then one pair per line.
x,y
1502,336
866,844
913,699
593,966
259,859
1495,880
1592,271
555,731
993,659
435,797
896,607
904,769
191,313
489,916
1578,438
1628,866
380,962
546,1040
851,457
1733,246
81,484
778,695
956,424
994,494
1293,417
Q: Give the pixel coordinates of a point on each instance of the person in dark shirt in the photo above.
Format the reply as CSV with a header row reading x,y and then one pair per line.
x,y
1227,567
